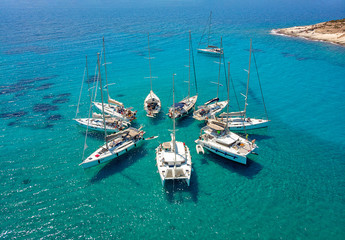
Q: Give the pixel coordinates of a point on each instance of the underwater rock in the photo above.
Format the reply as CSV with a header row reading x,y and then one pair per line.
x,y
44,86
26,181
91,79
48,96
60,100
13,114
64,95
10,124
44,107
54,117
22,85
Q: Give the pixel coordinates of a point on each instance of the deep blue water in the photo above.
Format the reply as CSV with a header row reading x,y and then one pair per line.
x,y
294,189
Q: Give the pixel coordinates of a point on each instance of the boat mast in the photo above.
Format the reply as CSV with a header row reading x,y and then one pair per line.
x,y
227,107
88,84
105,68
174,116
148,39
220,64
100,83
250,55
209,31
189,64
174,130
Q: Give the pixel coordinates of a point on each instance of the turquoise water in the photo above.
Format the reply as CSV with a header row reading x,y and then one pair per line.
x,y
294,189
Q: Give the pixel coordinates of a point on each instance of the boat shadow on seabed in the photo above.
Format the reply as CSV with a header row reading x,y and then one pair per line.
x,y
116,165
176,191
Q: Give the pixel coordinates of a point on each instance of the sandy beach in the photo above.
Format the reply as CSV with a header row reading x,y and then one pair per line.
x,y
332,31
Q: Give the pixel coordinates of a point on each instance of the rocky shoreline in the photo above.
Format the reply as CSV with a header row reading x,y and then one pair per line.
x,y
331,31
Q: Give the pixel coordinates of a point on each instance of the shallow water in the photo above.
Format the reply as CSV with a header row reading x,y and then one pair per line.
x,y
293,189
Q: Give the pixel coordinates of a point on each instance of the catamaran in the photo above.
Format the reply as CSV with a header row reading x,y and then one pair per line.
x,y
152,103
210,49
115,144
218,139
113,107
213,106
238,121
173,158
185,106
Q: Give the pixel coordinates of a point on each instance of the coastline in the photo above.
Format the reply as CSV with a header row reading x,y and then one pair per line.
x,y
331,32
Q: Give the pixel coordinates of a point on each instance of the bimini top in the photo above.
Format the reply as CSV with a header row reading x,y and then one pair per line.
x,y
179,105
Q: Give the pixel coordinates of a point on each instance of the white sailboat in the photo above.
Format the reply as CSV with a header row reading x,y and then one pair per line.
x,y
213,106
210,49
96,122
115,144
173,158
186,105
218,139
238,121
152,103
113,107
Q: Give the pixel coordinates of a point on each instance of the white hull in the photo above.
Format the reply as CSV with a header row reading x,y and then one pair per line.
x,y
219,140
170,168
104,155
96,124
226,154
240,124
209,110
114,111
210,51
189,103
152,98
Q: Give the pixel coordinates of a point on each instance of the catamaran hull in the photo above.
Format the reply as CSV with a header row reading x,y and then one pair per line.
x,y
227,155
163,180
110,157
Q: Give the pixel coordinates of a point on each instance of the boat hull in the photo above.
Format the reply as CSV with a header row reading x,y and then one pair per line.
x,y
186,110
95,128
111,110
209,52
152,113
113,154
215,109
227,155
237,124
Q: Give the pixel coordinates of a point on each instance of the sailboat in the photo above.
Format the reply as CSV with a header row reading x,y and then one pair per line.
x,y
115,108
238,121
115,144
210,49
96,122
185,106
152,103
218,139
173,158
213,106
